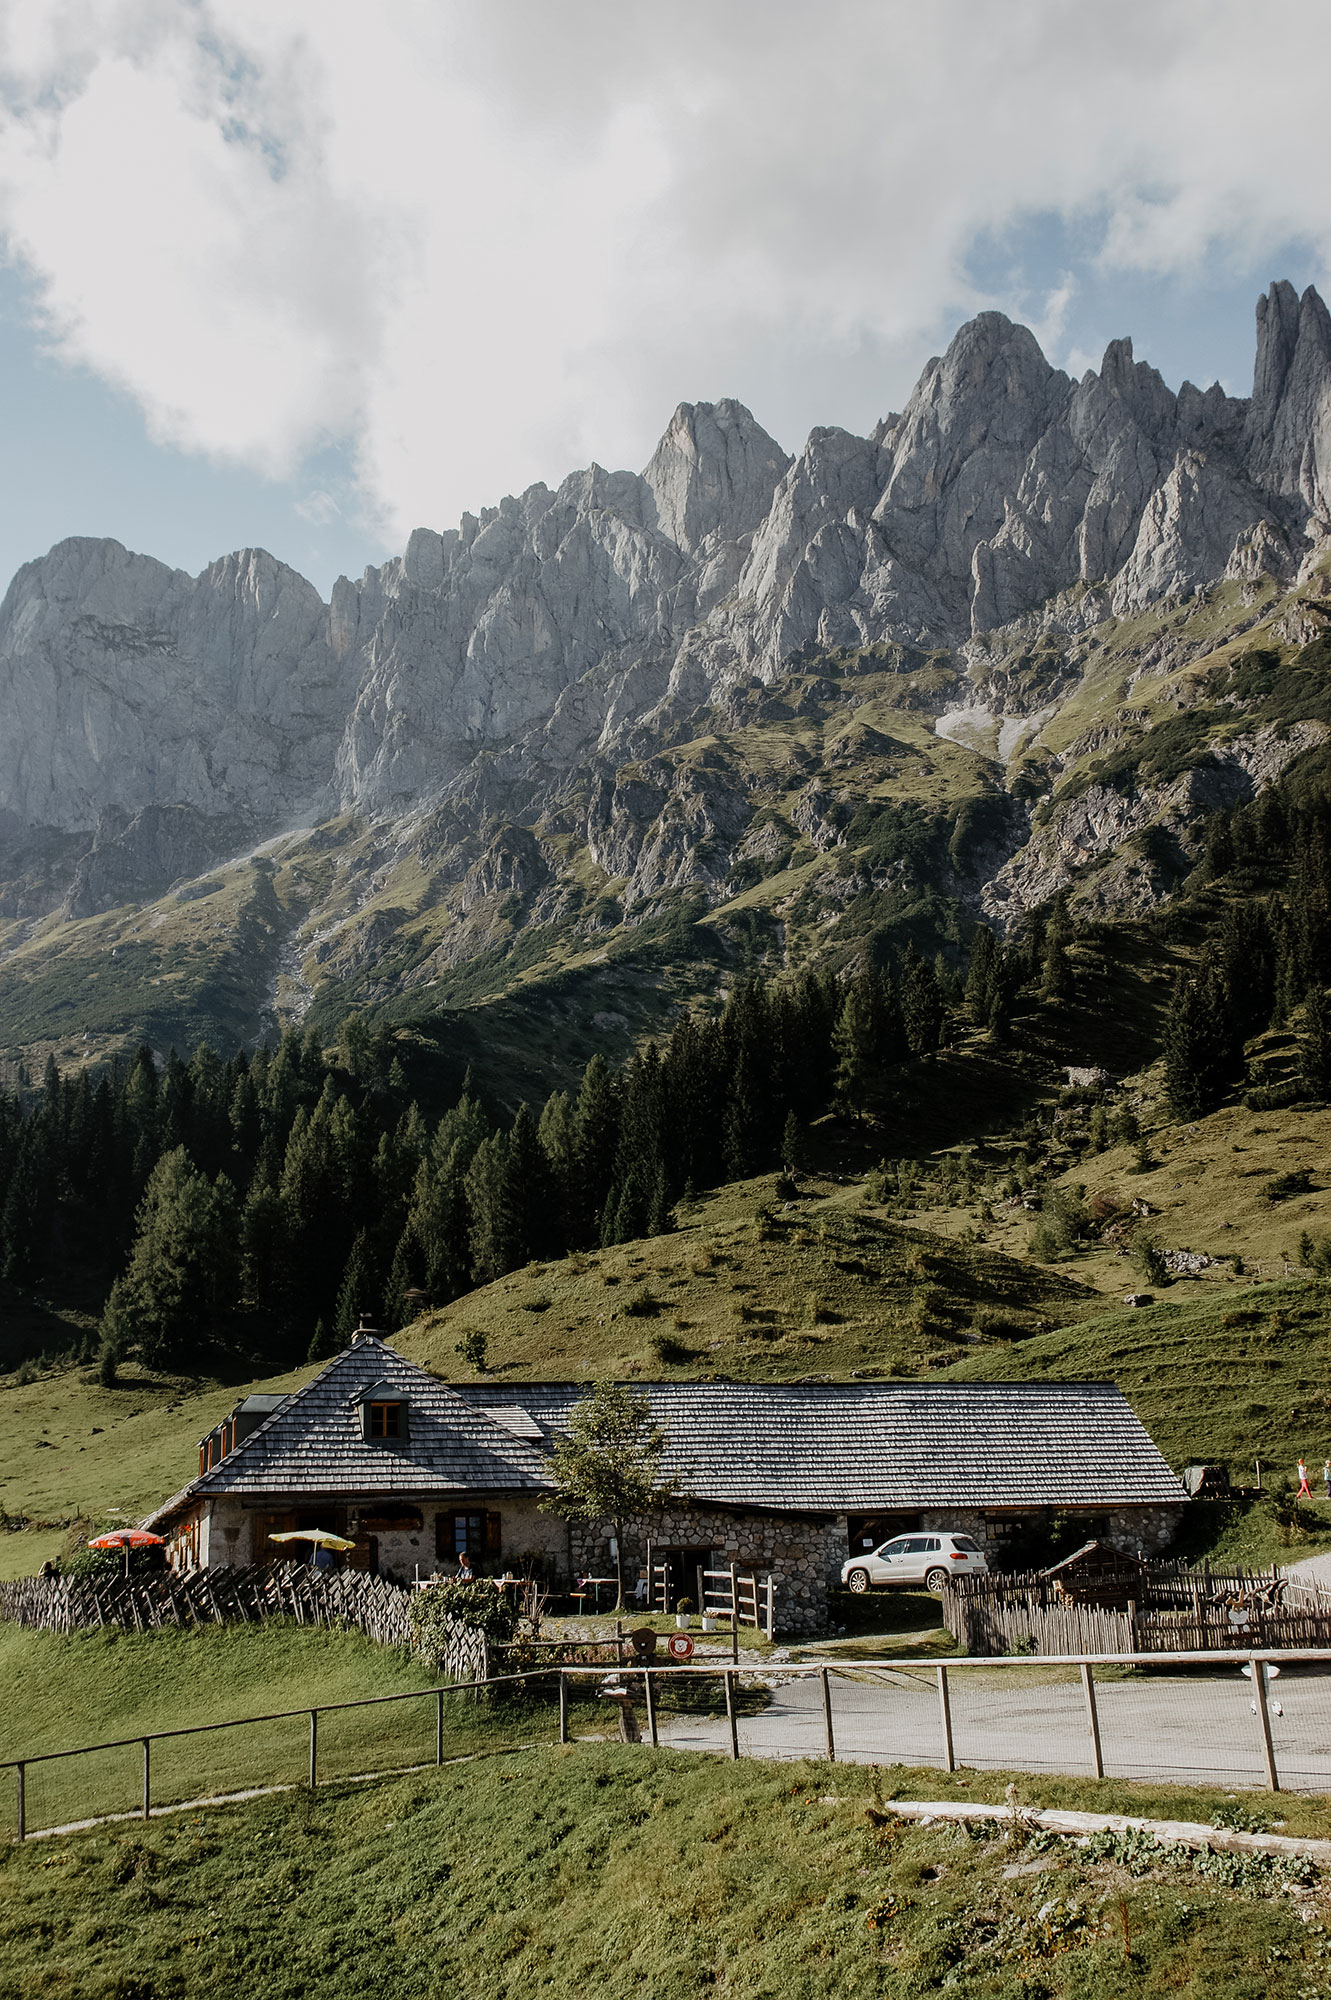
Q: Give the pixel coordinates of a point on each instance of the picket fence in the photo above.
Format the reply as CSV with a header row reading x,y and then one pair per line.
x,y
1173,1610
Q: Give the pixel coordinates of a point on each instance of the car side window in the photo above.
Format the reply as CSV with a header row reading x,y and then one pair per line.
x,y
933,1545
890,1549
919,1545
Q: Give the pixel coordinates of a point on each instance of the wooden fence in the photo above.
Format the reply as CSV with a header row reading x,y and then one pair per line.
x,y
1173,1610
719,1593
213,1597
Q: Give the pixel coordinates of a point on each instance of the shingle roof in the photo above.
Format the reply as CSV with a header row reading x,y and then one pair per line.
x,y
312,1443
851,1447
864,1446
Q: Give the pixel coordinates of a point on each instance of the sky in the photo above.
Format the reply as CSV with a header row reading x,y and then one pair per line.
x,y
304,274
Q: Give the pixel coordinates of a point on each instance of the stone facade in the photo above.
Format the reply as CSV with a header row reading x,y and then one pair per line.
x,y
803,1551
235,1532
1133,1531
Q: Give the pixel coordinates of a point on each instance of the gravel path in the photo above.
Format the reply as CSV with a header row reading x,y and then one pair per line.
x,y
1186,1729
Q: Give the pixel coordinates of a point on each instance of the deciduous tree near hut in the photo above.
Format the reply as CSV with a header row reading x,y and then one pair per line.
x,y
608,1467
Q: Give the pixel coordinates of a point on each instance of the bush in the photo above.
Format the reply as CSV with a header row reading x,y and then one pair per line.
x,y
671,1353
1148,1259
474,1349
1284,1186
436,1612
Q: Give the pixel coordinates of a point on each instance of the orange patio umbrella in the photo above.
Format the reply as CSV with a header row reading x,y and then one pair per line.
x,y
127,1539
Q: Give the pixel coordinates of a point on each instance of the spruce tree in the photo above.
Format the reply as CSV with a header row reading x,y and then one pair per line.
x,y
358,1295
1202,1053
181,1276
1315,1045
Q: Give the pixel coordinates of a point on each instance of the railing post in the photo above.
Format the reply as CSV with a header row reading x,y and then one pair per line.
x,y
945,1717
147,1777
1258,1669
730,1712
702,1593
651,1705
771,1608
314,1748
1092,1717
563,1706
734,1639
20,1773
827,1716
439,1726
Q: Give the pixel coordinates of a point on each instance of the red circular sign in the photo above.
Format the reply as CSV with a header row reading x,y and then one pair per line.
x,y
680,1646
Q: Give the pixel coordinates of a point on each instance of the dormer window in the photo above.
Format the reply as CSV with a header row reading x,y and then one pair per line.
x,y
384,1415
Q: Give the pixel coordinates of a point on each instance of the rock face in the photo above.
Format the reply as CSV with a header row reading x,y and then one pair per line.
x,y
566,623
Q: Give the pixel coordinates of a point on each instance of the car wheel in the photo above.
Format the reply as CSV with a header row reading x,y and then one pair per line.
x,y
935,1581
858,1581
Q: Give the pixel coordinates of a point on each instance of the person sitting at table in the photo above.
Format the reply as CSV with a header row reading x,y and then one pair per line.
x,y
466,1574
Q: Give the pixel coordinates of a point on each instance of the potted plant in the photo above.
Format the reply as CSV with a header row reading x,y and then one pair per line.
x,y
709,1621
683,1607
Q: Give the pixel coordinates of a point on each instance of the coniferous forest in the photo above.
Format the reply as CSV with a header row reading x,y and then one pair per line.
x,y
261,1204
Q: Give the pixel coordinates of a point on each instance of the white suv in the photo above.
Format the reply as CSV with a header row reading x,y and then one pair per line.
x,y
926,1559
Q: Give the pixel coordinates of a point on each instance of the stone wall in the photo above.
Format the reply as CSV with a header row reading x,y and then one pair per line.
x,y
228,1535
803,1551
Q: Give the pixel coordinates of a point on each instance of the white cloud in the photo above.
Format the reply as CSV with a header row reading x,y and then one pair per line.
x,y
487,243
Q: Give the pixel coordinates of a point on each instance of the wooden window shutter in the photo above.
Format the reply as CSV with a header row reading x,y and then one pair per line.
x,y
493,1538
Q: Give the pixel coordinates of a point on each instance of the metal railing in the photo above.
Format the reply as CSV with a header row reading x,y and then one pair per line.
x,y
1180,1718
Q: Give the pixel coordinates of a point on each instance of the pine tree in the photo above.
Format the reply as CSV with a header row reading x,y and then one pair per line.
x,y
358,1295
921,1003
794,1146
181,1275
1056,977
1315,1045
981,975
1202,1053
854,1046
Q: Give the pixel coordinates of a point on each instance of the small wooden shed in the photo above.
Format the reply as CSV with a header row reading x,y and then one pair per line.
x,y
1098,1574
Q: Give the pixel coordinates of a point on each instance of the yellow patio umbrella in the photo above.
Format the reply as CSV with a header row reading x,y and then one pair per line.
x,y
325,1537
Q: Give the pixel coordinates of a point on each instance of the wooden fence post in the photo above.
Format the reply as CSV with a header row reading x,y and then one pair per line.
x,y
651,1705
730,1712
651,1594
563,1706
771,1608
1092,1717
1258,1671
945,1717
702,1593
827,1716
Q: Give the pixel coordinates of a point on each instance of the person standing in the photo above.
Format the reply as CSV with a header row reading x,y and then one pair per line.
x,y
1304,1487
1326,1476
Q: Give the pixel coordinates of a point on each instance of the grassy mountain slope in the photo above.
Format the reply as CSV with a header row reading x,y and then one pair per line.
x,y
605,1869
757,1288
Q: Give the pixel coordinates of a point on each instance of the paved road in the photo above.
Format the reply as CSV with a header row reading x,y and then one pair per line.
x,y
1182,1730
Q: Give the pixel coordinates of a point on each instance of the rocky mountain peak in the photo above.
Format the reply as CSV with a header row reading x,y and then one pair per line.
x,y
1289,417
713,473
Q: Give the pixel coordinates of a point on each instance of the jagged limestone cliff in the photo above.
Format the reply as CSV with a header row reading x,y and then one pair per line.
x,y
581,704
